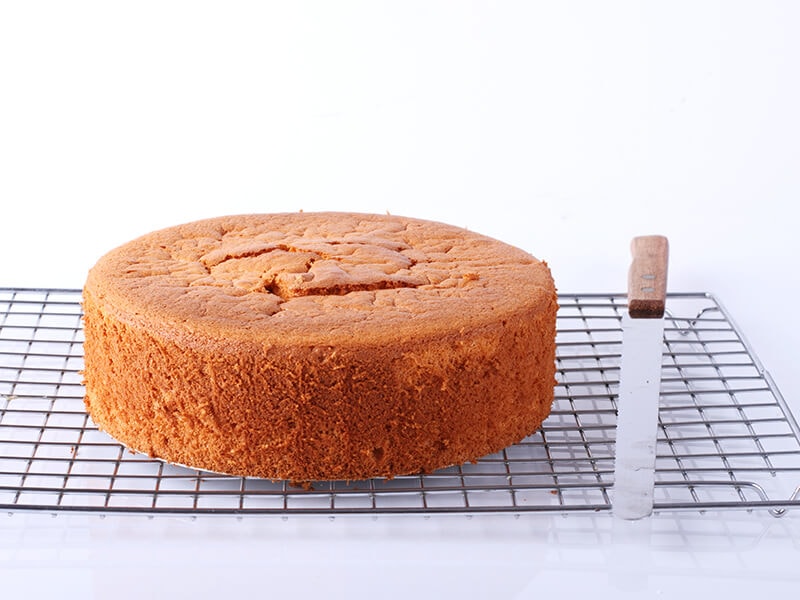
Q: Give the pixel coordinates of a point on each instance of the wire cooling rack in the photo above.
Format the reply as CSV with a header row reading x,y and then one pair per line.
x,y
726,438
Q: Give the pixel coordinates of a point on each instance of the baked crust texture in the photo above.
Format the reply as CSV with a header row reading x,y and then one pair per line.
x,y
318,346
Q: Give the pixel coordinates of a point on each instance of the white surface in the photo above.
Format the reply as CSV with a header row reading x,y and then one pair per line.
x,y
563,128
733,555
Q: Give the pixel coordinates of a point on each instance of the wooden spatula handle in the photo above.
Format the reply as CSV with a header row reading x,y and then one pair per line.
x,y
647,277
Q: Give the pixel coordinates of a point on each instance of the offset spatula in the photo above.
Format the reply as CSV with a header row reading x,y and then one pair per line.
x,y
640,378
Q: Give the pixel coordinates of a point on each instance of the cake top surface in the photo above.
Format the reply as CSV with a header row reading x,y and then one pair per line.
x,y
314,277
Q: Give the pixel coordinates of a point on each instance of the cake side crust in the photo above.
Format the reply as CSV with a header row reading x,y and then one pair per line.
x,y
320,412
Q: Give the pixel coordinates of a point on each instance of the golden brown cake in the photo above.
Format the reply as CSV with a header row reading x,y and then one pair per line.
x,y
318,346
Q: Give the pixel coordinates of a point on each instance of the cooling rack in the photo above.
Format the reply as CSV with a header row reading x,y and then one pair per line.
x,y
726,437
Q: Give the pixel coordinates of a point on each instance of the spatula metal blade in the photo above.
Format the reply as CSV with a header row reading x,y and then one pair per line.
x,y
637,420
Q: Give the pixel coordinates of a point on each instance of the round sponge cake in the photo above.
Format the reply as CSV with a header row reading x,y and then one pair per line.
x,y
318,346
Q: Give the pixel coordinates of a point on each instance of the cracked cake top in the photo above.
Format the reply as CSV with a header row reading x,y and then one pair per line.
x,y
312,277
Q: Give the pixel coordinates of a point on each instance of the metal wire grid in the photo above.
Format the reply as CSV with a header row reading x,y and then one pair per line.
x,y
726,438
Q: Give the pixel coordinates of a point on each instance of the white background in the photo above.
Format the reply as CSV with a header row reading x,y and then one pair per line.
x,y
564,128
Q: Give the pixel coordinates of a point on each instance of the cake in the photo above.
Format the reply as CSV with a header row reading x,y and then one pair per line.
x,y
318,346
